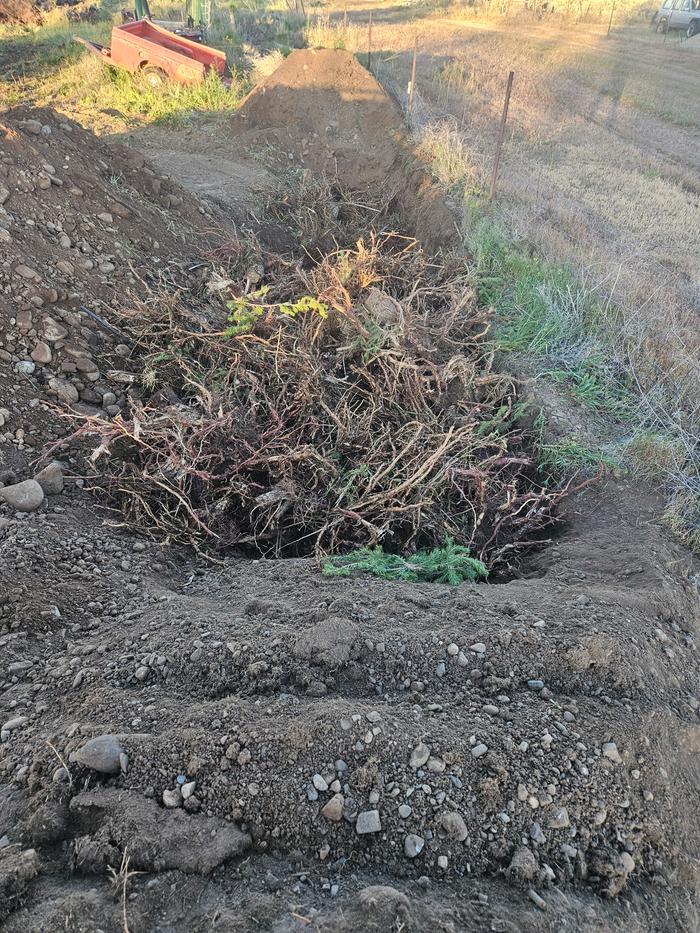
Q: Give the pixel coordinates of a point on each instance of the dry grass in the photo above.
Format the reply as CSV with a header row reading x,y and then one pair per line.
x,y
598,185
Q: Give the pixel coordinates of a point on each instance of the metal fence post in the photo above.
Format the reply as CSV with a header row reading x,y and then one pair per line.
x,y
369,43
412,88
501,133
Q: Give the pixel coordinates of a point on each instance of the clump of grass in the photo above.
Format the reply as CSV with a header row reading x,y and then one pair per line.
x,y
324,33
442,145
556,319
451,564
569,456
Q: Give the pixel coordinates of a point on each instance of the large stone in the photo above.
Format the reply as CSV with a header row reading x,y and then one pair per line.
x,y
368,822
610,751
560,819
413,845
23,497
65,390
53,331
41,353
333,810
101,754
26,272
454,826
51,479
419,755
523,866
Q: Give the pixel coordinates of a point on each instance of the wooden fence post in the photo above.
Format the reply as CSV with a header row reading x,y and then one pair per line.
x,y
501,133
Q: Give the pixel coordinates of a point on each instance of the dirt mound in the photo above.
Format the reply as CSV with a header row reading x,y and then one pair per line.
x,y
325,109
19,12
82,225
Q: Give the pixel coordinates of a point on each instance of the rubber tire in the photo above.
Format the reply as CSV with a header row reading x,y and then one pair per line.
x,y
155,77
662,25
693,29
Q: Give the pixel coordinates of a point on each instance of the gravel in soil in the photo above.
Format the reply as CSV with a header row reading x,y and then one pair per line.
x,y
268,747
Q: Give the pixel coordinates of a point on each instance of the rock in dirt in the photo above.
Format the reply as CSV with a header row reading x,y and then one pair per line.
x,y
560,819
413,845
51,479
368,822
172,798
101,754
65,390
333,810
23,497
419,755
454,826
610,751
329,643
16,871
158,839
523,865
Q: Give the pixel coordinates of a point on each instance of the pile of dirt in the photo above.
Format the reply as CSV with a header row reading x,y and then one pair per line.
x,y
83,227
322,108
343,733
19,12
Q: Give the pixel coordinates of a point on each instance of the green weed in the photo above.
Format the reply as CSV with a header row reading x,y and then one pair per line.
x,y
246,311
568,457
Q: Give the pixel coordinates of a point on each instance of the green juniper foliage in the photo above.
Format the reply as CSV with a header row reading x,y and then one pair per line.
x,y
449,564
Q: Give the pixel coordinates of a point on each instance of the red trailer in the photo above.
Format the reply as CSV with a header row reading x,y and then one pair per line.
x,y
142,47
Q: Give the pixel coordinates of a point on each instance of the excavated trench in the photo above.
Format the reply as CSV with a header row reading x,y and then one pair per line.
x,y
270,748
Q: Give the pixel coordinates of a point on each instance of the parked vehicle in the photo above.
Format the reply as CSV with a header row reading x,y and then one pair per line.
x,y
678,14
157,54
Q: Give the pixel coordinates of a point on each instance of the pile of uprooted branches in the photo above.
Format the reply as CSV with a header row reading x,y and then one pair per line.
x,y
349,400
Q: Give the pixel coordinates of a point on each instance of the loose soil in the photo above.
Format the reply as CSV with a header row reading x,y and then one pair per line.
x,y
19,12
523,756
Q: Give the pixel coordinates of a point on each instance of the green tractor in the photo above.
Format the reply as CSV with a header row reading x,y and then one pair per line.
x,y
194,26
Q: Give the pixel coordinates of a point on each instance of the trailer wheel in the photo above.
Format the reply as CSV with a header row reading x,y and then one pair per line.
x,y
694,28
153,76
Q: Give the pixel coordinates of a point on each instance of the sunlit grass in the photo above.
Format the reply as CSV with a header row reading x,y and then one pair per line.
x,y
50,69
90,84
